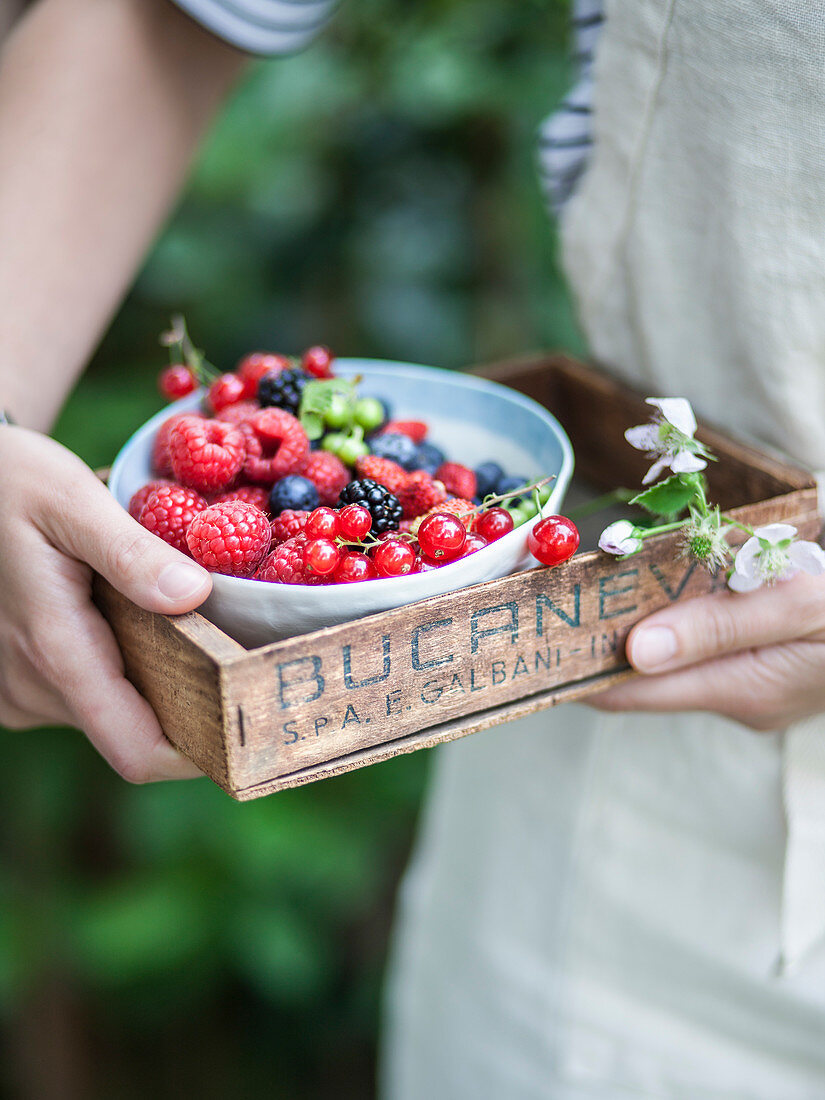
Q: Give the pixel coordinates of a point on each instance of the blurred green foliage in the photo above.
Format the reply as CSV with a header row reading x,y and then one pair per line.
x,y
377,193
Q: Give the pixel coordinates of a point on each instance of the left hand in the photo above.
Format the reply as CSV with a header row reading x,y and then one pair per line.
x,y
758,658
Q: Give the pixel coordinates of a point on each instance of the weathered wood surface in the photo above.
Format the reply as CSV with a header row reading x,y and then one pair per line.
x,y
296,703
434,735
301,709
175,663
595,410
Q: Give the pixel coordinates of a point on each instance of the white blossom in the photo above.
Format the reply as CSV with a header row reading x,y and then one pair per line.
x,y
772,554
620,537
703,540
668,439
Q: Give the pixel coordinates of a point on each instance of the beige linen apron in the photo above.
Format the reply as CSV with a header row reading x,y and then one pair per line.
x,y
610,906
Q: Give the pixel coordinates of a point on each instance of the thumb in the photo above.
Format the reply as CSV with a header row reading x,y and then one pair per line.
x,y
712,626
148,571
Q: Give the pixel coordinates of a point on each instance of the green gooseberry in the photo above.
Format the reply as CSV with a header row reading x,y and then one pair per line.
x,y
351,450
520,513
339,412
369,413
333,442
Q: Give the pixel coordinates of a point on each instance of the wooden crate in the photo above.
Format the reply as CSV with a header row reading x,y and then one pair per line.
x,y
298,710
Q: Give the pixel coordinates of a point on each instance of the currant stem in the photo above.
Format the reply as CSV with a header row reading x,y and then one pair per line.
x,y
178,341
491,501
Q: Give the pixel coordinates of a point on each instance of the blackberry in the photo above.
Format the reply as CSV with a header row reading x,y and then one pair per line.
x,y
283,389
384,507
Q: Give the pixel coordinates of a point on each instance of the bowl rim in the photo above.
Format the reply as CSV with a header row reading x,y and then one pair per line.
x,y
411,371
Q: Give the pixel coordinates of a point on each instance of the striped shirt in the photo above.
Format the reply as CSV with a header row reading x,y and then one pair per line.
x,y
275,27
566,137
268,27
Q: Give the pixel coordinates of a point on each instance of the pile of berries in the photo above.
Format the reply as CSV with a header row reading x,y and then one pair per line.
x,y
288,475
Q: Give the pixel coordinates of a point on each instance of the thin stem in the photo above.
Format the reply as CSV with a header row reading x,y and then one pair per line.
x,y
491,501
649,532
735,523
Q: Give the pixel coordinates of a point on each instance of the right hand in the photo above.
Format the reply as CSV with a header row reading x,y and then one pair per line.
x,y
59,661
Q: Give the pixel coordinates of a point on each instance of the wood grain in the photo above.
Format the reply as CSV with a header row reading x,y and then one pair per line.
x,y
346,688
295,711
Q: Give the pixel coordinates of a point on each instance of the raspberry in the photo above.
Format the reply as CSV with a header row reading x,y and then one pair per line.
x,y
465,510
168,511
327,473
416,430
139,498
276,445
230,538
285,565
161,456
249,494
459,481
283,390
383,470
206,454
383,506
287,525
237,413
254,366
420,494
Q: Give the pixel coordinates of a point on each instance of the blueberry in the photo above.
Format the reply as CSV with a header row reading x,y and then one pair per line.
x,y
488,475
507,484
297,493
397,447
428,457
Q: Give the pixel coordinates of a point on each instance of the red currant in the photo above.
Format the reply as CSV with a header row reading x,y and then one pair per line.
x,y
226,390
323,524
553,540
473,542
254,366
493,524
354,567
176,381
354,522
424,565
318,361
394,558
321,556
442,536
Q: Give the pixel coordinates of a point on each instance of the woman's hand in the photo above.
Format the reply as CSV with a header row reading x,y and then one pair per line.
x,y
59,662
758,658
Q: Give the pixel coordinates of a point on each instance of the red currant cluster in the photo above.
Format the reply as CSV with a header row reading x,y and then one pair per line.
x,y
240,488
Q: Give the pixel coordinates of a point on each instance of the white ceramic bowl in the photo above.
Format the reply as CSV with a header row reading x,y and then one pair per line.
x,y
471,420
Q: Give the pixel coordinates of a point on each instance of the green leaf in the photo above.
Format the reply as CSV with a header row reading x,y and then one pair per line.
x,y
312,424
669,497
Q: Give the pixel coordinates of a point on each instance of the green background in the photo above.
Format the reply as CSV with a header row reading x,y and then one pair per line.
x,y
377,193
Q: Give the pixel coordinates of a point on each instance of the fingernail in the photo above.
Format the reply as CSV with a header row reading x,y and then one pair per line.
x,y
180,581
653,647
